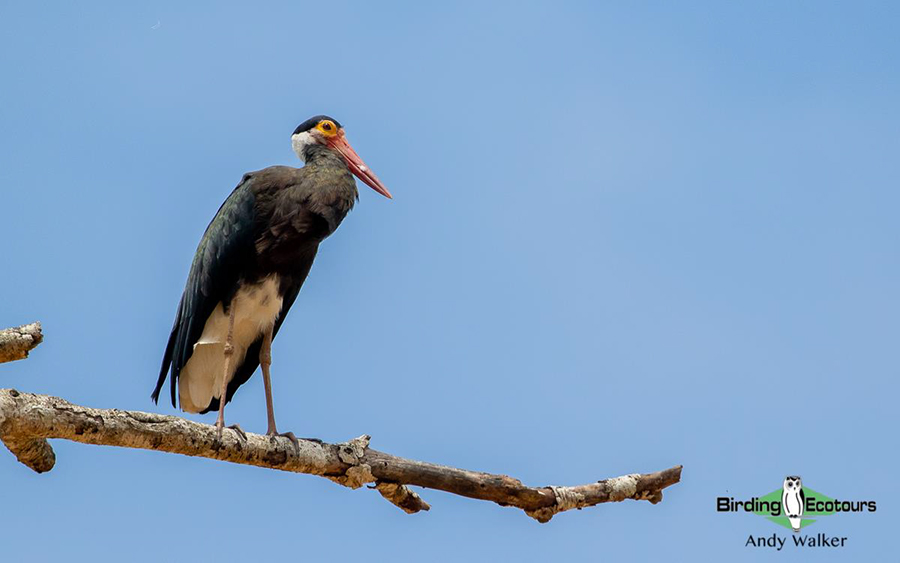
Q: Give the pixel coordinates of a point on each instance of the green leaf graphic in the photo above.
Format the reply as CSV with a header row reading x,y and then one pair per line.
x,y
781,520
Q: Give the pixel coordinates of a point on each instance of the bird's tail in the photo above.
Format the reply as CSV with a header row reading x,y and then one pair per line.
x,y
166,362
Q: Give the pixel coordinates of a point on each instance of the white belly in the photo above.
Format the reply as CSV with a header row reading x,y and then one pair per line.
x,y
255,310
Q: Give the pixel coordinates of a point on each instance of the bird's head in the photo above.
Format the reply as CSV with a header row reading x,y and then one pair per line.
x,y
324,130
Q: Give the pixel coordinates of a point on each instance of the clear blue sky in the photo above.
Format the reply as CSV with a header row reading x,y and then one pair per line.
x,y
623,237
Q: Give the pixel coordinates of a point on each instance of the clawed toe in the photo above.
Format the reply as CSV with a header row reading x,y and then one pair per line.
x,y
290,436
240,432
242,436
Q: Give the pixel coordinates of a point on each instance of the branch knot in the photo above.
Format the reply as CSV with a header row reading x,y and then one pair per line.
x,y
359,473
567,498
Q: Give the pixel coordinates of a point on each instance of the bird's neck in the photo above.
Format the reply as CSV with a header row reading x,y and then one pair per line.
x,y
334,185
320,155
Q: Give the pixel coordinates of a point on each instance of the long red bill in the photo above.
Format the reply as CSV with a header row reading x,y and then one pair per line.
x,y
356,164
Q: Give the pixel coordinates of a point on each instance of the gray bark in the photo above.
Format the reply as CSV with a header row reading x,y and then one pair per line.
x,y
15,343
28,420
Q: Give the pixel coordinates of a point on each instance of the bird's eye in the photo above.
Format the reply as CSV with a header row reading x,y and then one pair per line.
x,y
327,127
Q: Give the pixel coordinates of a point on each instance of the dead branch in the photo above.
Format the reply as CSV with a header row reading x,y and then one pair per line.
x,y
15,343
27,420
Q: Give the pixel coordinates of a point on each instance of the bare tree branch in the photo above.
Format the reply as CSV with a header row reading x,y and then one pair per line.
x,y
15,343
27,420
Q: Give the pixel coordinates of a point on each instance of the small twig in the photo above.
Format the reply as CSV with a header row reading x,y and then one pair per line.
x,y
401,496
27,420
15,343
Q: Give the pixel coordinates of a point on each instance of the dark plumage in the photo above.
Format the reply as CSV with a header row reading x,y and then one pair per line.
x,y
313,121
250,265
272,223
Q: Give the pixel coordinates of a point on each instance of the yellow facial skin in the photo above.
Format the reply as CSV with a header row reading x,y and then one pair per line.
x,y
327,128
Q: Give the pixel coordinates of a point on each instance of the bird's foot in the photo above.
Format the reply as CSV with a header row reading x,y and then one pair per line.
x,y
240,432
242,436
289,435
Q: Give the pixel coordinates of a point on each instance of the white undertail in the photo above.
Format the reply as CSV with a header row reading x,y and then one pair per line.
x,y
256,309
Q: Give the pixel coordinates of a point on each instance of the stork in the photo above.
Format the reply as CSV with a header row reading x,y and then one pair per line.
x,y
250,265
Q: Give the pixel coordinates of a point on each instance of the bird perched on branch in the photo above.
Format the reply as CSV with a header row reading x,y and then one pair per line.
x,y
250,265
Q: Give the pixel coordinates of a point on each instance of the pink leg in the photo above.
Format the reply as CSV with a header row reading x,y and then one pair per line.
x,y
229,353
265,361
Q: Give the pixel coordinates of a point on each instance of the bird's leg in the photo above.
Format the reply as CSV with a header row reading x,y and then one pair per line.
x,y
265,361
229,352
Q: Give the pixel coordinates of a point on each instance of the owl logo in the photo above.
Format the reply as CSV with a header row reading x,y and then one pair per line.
x,y
793,500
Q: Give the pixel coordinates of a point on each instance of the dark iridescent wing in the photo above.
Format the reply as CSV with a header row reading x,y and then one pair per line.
x,y
287,242
226,247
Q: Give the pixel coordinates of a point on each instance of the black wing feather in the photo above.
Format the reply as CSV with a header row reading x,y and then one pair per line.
x,y
272,222
226,247
303,223
288,243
